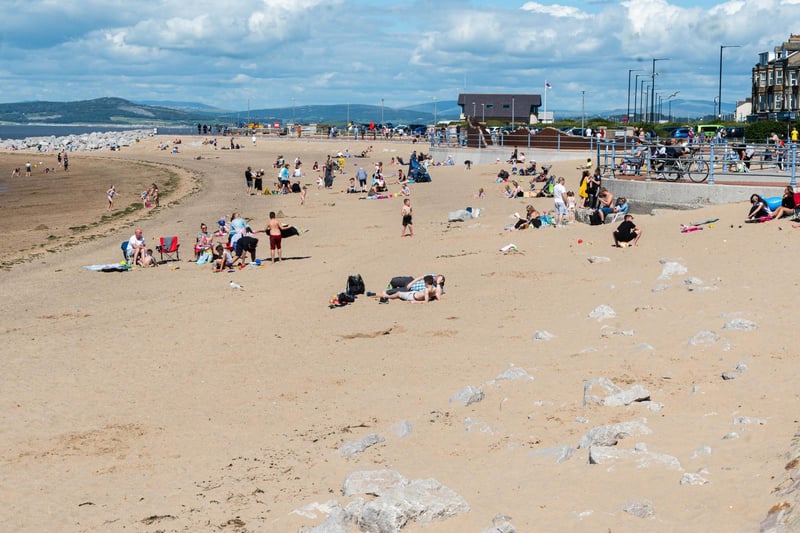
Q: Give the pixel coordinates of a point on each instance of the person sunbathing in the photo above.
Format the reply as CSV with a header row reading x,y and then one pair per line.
x,y
431,292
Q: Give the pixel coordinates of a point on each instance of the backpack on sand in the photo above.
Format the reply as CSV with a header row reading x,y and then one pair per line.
x,y
355,285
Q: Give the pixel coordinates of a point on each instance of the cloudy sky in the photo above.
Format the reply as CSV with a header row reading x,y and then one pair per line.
x,y
276,53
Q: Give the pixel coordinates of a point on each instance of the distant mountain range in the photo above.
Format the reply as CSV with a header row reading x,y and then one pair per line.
x,y
118,111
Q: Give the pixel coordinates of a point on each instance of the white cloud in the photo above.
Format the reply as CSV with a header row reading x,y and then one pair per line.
x,y
555,10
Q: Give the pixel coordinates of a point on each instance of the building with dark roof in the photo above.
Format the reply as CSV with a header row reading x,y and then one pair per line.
x,y
775,78
510,108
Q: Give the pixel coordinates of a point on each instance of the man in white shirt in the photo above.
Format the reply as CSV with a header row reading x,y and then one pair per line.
x,y
136,248
560,198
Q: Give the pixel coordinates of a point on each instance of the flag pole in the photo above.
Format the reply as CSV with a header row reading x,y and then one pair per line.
x,y
545,102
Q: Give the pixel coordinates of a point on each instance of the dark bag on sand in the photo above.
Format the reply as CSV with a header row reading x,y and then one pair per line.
x,y
345,298
594,218
355,285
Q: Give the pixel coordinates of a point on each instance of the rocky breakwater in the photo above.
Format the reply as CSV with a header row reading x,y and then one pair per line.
x,y
109,140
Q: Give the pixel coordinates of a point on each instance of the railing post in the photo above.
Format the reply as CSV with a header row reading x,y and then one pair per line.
x,y
649,165
793,181
711,164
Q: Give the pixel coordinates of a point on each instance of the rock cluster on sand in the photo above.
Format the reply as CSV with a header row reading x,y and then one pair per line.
x,y
77,143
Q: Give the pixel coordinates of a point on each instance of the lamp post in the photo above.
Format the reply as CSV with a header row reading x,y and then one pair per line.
x,y
473,110
653,90
642,103
583,94
381,111
719,93
628,116
483,113
512,113
669,104
636,96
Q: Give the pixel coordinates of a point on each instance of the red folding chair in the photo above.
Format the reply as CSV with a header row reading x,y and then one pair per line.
x,y
169,247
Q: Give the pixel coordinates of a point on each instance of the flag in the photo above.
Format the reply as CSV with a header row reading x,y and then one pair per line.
x,y
547,85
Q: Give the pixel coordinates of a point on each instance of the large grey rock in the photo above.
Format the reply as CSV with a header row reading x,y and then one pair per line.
x,y
513,373
354,447
614,396
740,324
609,435
421,501
599,455
372,482
672,268
602,312
468,395
639,508
744,420
692,479
704,338
501,524
543,336
556,455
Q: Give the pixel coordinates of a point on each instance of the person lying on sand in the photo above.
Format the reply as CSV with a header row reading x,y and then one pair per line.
x,y
432,291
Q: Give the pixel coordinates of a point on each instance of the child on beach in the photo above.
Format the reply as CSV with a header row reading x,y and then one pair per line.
x,y
405,212
110,195
303,194
405,191
481,193
222,259
148,260
153,194
571,206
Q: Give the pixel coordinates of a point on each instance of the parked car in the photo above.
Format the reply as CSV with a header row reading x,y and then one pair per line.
x,y
680,133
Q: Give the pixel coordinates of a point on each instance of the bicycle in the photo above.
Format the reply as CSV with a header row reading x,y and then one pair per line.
x,y
693,166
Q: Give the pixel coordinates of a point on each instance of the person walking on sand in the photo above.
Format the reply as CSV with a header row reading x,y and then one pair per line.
x,y
405,212
28,167
303,193
273,229
110,195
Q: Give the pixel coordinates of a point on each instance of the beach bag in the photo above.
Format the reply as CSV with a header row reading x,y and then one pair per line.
x,y
345,298
355,285
594,218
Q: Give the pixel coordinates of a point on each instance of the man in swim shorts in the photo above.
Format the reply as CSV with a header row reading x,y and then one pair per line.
x,y
273,229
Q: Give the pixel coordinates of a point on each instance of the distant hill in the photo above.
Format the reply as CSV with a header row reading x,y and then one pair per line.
x,y
98,111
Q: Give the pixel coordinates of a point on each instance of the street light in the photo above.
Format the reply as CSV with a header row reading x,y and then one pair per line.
x,y
653,76
483,113
473,110
628,116
512,113
642,103
636,95
583,94
719,94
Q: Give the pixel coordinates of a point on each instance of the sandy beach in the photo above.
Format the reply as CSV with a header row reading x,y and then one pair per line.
x,y
164,400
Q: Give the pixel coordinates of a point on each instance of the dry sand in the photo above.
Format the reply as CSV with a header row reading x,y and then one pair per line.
x,y
163,400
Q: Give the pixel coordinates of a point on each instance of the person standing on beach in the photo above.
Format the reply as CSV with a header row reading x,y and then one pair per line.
x,y
28,168
66,162
273,229
405,212
248,179
560,200
110,195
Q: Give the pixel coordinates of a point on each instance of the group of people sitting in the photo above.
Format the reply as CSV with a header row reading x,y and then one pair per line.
x,y
760,210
